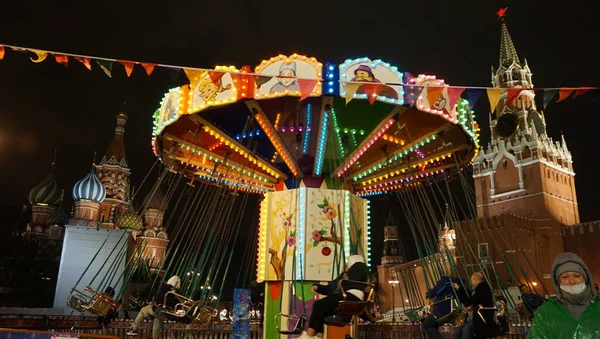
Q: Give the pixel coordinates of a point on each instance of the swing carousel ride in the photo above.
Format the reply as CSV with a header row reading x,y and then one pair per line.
x,y
314,140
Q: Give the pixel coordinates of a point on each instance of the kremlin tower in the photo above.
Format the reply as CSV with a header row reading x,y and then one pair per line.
x,y
113,172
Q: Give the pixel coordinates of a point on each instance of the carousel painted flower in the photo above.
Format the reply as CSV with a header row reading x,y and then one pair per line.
x,y
287,220
291,241
317,235
327,209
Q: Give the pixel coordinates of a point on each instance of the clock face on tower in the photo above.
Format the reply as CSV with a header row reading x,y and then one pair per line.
x,y
536,122
506,125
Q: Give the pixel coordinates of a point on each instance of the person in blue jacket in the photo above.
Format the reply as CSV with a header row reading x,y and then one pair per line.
x,y
442,306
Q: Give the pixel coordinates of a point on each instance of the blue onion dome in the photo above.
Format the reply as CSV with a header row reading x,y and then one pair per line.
x,y
89,188
157,201
130,220
58,217
46,192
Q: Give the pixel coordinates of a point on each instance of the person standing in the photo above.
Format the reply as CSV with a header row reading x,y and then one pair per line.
x,y
575,310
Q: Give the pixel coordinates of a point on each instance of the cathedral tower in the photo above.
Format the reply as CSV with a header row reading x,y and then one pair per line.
x,y
522,170
113,172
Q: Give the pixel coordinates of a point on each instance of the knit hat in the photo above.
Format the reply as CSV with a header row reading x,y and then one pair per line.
x,y
353,259
569,267
291,66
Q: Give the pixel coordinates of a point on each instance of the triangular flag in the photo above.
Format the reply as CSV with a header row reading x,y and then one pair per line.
x,y
106,67
512,94
564,93
148,67
62,59
1,52
261,80
580,91
548,96
453,95
494,96
411,94
473,95
87,62
372,91
128,66
41,56
433,93
306,87
173,73
350,89
193,76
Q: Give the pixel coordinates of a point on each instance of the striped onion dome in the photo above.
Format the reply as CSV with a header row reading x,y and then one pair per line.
x,y
89,188
46,192
130,220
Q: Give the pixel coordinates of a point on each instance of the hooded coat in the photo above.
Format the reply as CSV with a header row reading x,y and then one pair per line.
x,y
555,319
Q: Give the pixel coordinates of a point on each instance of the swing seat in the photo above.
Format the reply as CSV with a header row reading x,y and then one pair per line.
x,y
101,304
338,320
202,314
345,311
456,312
77,300
298,326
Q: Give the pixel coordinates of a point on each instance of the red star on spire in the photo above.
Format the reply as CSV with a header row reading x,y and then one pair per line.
x,y
501,12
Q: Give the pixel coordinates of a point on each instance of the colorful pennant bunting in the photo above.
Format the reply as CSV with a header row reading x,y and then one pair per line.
x,y
564,93
580,92
372,91
494,96
106,67
350,90
148,67
41,56
512,94
548,95
473,95
306,87
128,66
453,95
1,52
411,94
433,93
87,62
62,59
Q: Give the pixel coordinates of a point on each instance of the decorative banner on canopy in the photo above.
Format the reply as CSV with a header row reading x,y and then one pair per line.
x,y
440,103
171,108
209,88
282,75
364,70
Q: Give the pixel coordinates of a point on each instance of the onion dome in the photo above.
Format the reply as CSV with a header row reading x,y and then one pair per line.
x,y
58,217
89,188
157,201
46,192
130,220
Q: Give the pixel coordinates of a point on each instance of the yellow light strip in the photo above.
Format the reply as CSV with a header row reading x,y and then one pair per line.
x,y
374,178
230,163
239,148
262,239
366,143
396,180
274,137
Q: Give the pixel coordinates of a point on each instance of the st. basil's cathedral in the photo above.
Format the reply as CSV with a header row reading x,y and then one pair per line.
x,y
102,200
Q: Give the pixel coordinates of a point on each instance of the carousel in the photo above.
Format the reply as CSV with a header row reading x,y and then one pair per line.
x,y
315,141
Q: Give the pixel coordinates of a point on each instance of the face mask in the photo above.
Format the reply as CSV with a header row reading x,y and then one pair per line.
x,y
575,289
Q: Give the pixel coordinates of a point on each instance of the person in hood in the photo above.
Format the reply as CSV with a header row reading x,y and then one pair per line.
x,y
356,270
479,322
575,310
150,311
441,294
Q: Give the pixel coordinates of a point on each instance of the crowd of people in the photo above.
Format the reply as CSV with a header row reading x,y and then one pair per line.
x,y
573,312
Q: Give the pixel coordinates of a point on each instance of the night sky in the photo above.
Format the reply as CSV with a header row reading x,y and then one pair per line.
x,y
48,106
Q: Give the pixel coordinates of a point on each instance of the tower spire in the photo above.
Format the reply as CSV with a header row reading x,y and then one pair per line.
x,y
508,53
